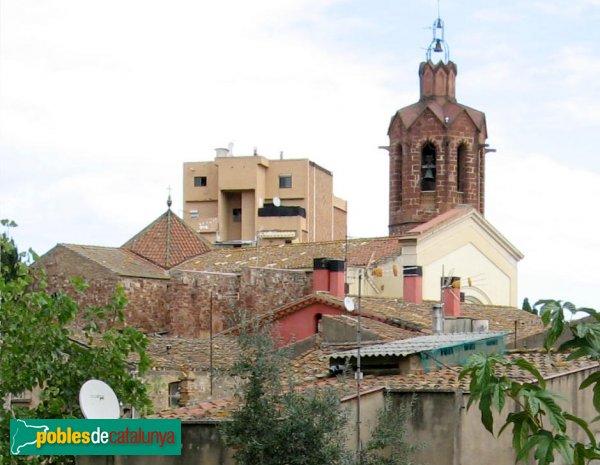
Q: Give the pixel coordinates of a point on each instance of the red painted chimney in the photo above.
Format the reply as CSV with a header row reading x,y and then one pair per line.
x,y
320,275
413,284
336,277
451,296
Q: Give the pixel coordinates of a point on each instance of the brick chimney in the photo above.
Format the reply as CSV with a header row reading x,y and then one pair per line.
x,y
413,284
320,275
336,277
451,296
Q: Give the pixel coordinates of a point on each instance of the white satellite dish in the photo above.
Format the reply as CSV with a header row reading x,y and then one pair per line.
x,y
349,304
277,201
98,401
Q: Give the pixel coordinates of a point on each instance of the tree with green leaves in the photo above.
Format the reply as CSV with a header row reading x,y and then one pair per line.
x,y
527,306
41,349
276,424
539,425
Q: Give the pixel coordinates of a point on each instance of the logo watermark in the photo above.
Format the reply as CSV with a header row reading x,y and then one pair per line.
x,y
95,437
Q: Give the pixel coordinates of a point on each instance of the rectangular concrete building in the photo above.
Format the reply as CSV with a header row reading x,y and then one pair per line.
x,y
238,200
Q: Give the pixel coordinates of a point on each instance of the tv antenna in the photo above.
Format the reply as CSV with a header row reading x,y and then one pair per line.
x,y
98,401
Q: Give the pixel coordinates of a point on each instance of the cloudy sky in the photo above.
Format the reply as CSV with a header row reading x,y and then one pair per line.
x,y
102,102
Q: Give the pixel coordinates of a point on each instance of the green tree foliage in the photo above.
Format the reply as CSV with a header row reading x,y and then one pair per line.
x,y
539,425
40,350
527,306
276,424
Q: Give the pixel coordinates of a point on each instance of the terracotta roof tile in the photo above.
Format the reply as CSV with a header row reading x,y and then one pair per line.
x,y
455,212
167,241
119,261
385,332
449,109
296,256
311,371
419,316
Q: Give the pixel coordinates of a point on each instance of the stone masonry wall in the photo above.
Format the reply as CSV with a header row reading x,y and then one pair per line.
x,y
264,289
196,295
146,307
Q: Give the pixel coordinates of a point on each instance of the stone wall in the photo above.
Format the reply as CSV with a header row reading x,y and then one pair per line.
x,y
184,304
195,297
146,308
264,289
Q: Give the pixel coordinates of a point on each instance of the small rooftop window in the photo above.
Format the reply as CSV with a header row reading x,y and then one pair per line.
x,y
199,181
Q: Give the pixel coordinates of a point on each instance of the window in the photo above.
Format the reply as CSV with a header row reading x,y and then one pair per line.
x,y
285,181
174,394
199,181
237,215
194,214
428,168
461,155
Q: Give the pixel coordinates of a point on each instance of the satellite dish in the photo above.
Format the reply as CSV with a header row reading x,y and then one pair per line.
x,y
98,401
277,202
349,304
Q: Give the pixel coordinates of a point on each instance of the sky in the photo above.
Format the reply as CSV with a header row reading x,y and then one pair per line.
x,y
102,102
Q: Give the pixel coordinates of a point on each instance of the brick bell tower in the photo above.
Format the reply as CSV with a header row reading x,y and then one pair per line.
x,y
437,147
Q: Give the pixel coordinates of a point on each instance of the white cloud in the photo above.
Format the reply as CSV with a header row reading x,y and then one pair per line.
x,y
547,210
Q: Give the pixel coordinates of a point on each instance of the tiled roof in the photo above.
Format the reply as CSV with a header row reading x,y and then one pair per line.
x,y
418,344
177,353
296,256
379,324
167,241
442,218
441,110
311,371
212,410
119,261
401,315
384,331
420,316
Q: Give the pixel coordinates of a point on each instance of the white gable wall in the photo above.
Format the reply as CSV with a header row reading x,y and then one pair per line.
x,y
467,249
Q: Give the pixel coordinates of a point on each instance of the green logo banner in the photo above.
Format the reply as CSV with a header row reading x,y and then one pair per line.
x,y
95,437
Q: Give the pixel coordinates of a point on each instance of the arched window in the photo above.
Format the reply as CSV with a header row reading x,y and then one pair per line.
x,y
461,155
428,168
318,321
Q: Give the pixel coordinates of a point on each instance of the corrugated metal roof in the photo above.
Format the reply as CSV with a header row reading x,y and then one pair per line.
x,y
418,344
